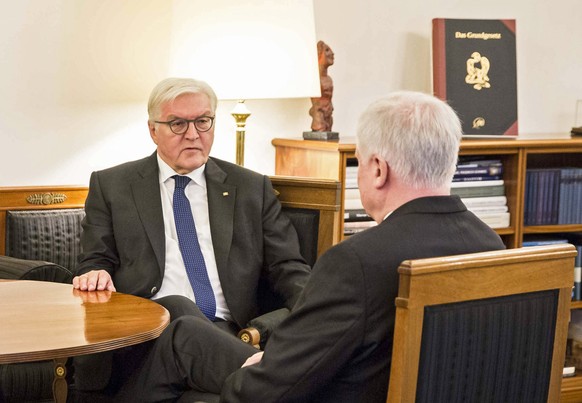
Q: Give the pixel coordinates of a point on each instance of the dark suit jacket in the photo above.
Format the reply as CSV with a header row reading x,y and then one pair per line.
x,y
123,233
337,343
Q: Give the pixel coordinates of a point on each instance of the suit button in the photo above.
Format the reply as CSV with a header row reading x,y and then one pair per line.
x,y
154,290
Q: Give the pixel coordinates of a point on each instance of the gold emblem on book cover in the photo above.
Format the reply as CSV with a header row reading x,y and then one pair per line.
x,y
477,71
478,123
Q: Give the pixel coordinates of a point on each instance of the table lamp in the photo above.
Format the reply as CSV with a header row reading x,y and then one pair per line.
x,y
251,49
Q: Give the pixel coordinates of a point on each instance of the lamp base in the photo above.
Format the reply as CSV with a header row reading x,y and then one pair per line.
x,y
321,135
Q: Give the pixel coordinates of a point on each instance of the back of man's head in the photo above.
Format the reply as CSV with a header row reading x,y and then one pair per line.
x,y
417,134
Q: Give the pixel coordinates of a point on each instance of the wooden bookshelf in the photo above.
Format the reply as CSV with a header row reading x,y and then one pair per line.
x,y
328,159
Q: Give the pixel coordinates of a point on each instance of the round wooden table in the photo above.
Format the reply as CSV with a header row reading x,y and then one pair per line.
x,y
43,320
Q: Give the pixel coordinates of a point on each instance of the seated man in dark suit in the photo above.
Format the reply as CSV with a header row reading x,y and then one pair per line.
x,y
336,344
181,227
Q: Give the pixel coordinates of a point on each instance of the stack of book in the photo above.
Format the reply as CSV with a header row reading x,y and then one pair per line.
x,y
553,196
355,217
479,183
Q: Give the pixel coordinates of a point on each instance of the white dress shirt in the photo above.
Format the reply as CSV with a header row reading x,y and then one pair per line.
x,y
176,280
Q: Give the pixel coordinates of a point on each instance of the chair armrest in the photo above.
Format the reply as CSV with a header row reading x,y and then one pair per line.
x,y
260,328
24,269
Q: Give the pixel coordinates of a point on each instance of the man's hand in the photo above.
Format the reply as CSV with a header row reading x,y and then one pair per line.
x,y
253,359
94,280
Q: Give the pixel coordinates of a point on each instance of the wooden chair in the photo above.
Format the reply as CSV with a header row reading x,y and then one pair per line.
x,y
483,327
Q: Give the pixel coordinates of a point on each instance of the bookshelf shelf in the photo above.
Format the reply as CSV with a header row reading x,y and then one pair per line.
x,y
328,159
545,229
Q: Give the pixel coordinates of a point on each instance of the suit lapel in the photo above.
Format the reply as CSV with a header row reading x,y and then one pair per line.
x,y
221,200
146,194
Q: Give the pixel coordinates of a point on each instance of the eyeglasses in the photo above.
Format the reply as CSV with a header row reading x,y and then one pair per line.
x,y
180,126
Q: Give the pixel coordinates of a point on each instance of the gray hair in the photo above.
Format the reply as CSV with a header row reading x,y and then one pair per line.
x,y
171,88
416,133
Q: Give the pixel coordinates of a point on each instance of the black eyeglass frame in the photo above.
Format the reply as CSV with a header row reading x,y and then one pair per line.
x,y
188,121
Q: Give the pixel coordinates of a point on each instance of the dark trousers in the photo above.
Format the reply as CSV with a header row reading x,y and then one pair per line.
x,y
108,372
191,354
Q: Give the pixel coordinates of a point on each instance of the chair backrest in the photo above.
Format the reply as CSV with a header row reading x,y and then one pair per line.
x,y
313,206
42,223
488,326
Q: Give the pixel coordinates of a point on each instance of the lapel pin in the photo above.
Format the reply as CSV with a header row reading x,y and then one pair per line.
x,y
225,193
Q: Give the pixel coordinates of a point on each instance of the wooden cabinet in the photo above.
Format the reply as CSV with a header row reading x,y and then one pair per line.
x,y
328,159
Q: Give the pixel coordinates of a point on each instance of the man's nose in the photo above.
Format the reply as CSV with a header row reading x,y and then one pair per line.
x,y
191,132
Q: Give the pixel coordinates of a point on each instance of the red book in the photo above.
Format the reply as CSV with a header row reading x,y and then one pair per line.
x,y
475,71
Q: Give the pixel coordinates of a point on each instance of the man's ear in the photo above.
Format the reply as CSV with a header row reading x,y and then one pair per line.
x,y
381,171
153,133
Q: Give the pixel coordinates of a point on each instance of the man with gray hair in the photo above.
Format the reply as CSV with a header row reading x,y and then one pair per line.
x,y
336,344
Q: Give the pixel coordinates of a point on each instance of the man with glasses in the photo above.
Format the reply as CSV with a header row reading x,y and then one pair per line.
x,y
190,231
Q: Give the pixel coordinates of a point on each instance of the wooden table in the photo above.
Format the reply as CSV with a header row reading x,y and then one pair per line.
x,y
43,320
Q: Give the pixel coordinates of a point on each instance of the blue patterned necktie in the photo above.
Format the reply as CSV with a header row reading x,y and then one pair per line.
x,y
190,248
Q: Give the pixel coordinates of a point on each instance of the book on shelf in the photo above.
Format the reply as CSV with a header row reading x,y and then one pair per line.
x,y
487,201
553,196
477,161
542,196
539,240
564,194
570,194
578,273
474,69
576,240
479,178
478,188
577,293
353,204
351,181
476,170
468,184
574,343
493,169
353,227
489,209
352,193
495,220
569,371
352,199
356,215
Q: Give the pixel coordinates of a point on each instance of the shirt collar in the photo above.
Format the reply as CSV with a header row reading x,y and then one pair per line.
x,y
166,172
